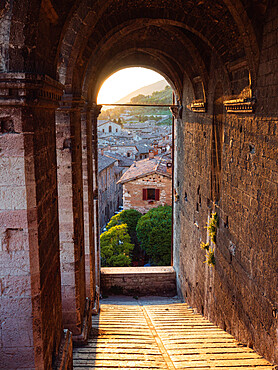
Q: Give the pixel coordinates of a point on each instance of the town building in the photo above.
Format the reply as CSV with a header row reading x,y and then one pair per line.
x,y
148,184
110,191
109,127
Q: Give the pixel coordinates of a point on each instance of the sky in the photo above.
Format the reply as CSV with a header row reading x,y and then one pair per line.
x,y
125,81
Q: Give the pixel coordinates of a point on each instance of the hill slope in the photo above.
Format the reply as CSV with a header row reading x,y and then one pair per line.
x,y
146,90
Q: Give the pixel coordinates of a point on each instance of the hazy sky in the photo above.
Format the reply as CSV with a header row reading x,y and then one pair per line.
x,y
124,82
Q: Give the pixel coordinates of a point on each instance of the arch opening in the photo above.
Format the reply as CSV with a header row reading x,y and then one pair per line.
x,y
141,142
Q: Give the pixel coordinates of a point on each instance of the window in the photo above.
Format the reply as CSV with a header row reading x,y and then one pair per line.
x,y
110,129
116,130
128,154
150,194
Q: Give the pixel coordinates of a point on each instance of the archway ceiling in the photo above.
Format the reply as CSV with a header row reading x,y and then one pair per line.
x,y
184,32
161,48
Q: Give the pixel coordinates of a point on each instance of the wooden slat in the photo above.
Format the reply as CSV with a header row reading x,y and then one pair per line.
x,y
162,336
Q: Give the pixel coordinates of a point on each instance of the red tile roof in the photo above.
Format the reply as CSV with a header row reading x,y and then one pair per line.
x,y
146,167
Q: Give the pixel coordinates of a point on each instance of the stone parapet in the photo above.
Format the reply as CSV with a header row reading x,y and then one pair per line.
x,y
139,281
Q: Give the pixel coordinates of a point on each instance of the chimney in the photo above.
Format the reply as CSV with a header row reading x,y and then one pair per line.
x,y
151,154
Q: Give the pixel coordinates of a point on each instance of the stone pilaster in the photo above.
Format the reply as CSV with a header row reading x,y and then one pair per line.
x,y
30,293
95,111
88,197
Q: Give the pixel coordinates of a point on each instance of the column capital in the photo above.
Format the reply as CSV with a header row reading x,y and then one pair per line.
x,y
95,110
176,111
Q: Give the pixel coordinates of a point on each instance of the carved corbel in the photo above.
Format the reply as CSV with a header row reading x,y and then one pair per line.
x,y
198,106
241,105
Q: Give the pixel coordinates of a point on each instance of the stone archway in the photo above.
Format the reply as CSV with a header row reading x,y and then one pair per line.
x,y
73,42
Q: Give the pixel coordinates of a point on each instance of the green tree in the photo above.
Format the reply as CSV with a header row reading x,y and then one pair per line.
x,y
154,232
130,217
116,247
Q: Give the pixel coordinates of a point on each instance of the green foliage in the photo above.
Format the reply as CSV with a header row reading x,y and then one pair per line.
x,y
154,232
212,227
129,217
116,247
210,258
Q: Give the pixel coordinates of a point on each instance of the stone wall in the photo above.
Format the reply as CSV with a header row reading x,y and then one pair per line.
x,y
240,293
138,281
133,192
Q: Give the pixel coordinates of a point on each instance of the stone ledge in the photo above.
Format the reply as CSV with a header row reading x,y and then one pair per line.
x,y
137,270
139,281
82,338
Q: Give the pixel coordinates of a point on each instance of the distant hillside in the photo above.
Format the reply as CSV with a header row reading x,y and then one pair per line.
x,y
157,97
161,115
146,90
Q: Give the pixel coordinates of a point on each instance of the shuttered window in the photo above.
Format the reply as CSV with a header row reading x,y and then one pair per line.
x,y
145,194
156,194
150,194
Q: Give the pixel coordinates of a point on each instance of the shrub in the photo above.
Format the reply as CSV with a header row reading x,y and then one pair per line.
x,y
154,232
129,217
116,247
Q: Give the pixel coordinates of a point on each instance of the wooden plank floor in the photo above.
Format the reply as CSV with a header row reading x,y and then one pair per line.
x,y
160,333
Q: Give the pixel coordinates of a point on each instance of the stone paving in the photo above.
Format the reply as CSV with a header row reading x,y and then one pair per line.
x,y
160,333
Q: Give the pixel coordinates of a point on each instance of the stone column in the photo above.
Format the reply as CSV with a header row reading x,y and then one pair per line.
x,y
88,197
30,283
76,307
95,111
176,120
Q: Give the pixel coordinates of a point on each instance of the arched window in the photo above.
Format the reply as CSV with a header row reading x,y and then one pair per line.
x,y
110,128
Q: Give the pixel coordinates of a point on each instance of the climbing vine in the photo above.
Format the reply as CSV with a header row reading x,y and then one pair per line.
x,y
212,227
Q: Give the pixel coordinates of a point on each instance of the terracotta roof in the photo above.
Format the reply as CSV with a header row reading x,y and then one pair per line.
x,y
146,167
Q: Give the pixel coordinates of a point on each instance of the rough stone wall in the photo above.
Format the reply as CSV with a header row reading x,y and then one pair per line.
x,y
133,192
240,292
